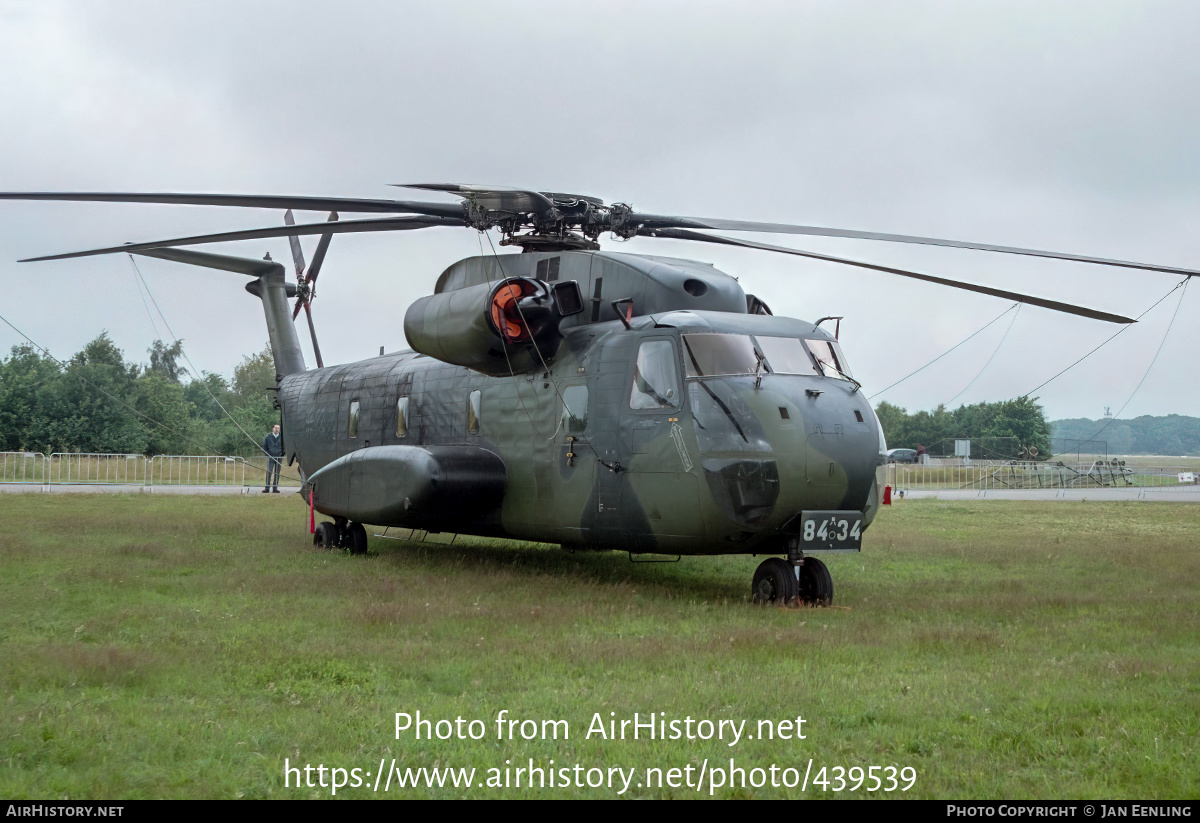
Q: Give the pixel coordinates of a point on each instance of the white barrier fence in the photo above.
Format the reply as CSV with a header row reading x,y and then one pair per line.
x,y
1025,475
22,467
35,468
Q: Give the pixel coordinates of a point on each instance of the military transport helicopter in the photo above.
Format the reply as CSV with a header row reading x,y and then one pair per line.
x,y
571,395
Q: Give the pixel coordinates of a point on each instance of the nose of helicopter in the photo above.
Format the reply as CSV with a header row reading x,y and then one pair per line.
x,y
839,453
803,444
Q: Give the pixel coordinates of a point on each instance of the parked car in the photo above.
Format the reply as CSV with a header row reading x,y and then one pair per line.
x,y
902,456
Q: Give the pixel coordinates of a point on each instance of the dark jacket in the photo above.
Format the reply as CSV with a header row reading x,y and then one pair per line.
x,y
273,445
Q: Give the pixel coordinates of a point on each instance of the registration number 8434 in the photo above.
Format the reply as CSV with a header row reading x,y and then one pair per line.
x,y
831,530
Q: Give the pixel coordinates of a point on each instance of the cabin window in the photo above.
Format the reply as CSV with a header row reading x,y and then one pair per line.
x,y
830,358
402,417
547,269
786,355
656,377
719,354
352,424
596,299
574,414
473,412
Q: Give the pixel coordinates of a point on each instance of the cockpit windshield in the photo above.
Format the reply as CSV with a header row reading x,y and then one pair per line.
x,y
786,355
708,355
712,355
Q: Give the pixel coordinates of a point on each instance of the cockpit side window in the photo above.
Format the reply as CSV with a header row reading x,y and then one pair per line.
x,y
656,377
574,413
830,358
474,403
402,417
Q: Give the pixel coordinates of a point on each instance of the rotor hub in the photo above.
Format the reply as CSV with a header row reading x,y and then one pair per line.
x,y
567,241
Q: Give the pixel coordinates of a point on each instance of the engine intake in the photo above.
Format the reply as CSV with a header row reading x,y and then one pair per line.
x,y
505,328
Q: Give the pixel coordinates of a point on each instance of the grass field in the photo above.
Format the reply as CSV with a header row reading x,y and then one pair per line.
x,y
185,647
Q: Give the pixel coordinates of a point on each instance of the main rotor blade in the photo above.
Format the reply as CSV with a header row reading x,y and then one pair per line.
x,y
682,234
345,227
239,265
348,204
654,222
492,198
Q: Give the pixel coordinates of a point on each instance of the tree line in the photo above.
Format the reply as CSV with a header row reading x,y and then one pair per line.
x,y
99,402
1172,434
997,430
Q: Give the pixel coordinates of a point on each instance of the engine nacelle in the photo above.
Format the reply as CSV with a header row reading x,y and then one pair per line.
x,y
506,328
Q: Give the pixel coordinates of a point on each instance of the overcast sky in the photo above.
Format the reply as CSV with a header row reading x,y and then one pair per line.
x,y
1070,126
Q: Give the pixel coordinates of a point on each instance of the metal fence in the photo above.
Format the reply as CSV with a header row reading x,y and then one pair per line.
x,y
81,468
76,468
1000,449
22,467
1014,475
34,468
180,470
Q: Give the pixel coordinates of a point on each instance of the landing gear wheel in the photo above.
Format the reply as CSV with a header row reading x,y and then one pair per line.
x,y
774,582
816,586
356,538
325,537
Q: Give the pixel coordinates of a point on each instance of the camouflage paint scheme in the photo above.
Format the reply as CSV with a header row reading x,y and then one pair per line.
x,y
725,465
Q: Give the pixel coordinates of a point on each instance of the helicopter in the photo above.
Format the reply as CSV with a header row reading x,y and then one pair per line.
x,y
572,395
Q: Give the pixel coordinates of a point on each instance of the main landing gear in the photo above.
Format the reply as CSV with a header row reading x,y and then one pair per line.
x,y
341,534
801,581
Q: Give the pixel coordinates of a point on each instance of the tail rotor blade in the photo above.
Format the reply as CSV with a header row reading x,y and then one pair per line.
x,y
298,259
297,251
322,247
310,280
312,330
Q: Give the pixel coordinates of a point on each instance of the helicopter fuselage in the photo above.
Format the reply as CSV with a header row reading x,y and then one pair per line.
x,y
686,431
578,396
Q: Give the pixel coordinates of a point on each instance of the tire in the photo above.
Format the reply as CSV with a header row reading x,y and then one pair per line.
x,y
774,582
816,585
356,538
325,537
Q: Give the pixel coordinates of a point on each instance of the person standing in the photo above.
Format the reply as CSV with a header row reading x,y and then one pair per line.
x,y
272,445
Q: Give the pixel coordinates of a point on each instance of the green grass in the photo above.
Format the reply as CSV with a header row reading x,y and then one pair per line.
x,y
184,647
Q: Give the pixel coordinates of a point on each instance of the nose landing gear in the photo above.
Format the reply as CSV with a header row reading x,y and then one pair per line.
x,y
801,580
774,582
815,583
